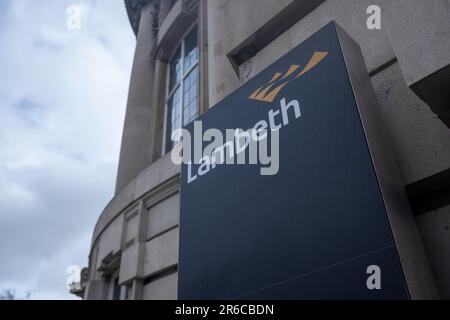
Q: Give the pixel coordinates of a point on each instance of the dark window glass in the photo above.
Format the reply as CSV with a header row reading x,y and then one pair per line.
x,y
175,69
183,91
190,96
173,118
191,49
116,289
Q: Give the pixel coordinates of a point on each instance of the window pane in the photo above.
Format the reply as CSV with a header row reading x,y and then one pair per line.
x,y
190,97
173,118
182,106
191,49
175,69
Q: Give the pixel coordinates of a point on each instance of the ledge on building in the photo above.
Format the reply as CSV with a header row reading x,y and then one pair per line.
x,y
181,15
149,179
433,90
134,8
271,30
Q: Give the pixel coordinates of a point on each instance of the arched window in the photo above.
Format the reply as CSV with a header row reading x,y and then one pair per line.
x,y
182,101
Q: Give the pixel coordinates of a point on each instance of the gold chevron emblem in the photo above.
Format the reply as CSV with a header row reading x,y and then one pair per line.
x,y
269,92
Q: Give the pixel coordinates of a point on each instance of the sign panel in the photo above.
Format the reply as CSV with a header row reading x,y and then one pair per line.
x,y
306,220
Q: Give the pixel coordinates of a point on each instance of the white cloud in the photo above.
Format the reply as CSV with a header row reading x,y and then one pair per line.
x,y
62,101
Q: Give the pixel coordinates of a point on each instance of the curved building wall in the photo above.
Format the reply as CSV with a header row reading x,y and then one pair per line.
x,y
135,243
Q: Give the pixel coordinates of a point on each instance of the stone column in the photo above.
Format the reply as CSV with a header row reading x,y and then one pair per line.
x,y
420,35
136,139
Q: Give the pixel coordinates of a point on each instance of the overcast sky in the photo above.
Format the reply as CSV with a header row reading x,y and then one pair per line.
x,y
62,102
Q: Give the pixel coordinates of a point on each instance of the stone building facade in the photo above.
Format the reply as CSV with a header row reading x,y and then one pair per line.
x,y
190,54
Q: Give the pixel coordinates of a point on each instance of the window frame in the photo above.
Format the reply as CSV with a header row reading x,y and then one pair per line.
x,y
169,93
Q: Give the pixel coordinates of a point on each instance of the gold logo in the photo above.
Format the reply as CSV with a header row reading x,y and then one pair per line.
x,y
269,92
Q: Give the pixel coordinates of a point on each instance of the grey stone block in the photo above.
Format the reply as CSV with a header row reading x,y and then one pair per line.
x,y
161,253
435,231
420,140
162,289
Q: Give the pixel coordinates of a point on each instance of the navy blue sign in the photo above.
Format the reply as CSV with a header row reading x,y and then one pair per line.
x,y
315,229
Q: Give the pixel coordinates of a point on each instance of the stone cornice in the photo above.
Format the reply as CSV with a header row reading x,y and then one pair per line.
x,y
134,8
